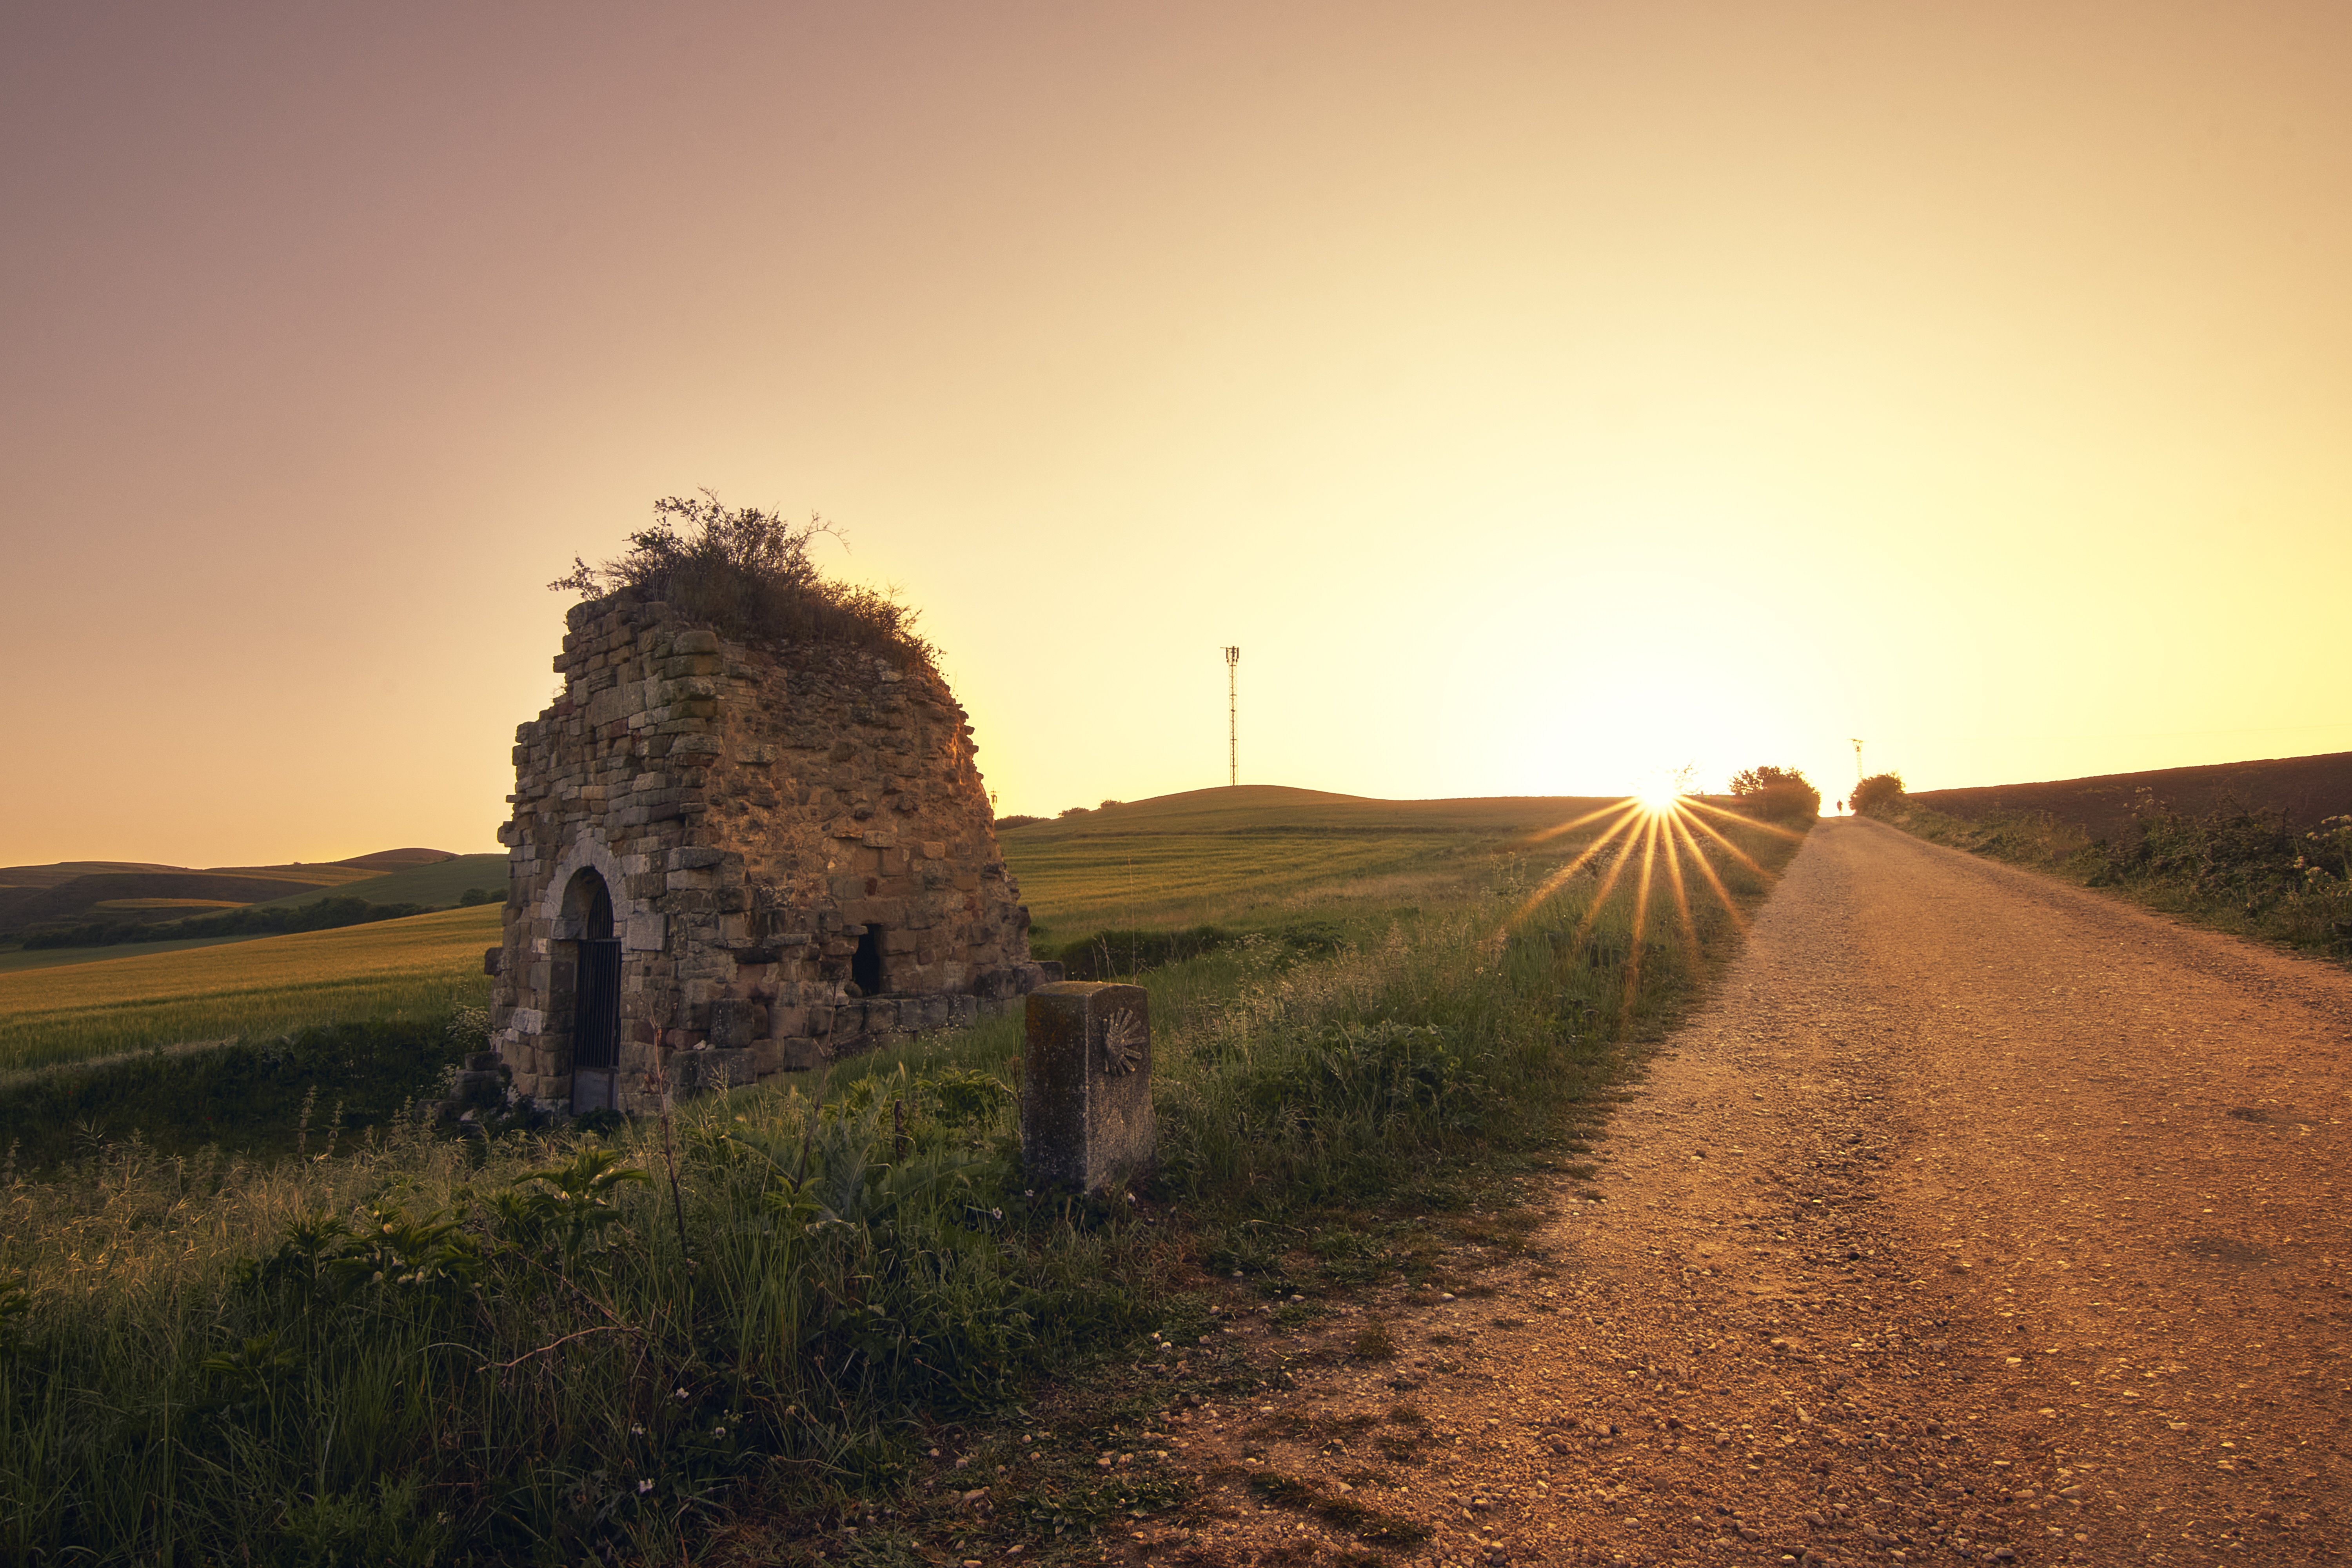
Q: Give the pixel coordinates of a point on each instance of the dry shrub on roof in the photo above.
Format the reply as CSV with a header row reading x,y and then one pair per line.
x,y
747,572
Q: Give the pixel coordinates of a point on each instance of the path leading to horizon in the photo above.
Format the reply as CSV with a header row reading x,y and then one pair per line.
x,y
1977,1216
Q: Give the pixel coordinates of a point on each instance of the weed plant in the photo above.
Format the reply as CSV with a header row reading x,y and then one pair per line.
x,y
563,1348
748,573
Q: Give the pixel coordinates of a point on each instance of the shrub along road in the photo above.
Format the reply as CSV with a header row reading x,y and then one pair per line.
x,y
1978,1216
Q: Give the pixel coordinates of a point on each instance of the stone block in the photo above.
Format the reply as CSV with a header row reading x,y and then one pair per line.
x,y
1085,1086
711,1071
735,1024
798,1054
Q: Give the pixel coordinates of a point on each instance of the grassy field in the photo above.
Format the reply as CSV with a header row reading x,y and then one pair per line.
x,y
71,1012
1256,854
1078,885
758,1322
1253,857
14,959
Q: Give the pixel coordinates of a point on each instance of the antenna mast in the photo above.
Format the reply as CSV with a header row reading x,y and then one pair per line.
x,y
1233,721
1857,757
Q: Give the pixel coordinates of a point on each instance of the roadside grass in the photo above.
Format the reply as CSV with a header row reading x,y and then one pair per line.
x,y
417,967
745,1329
2238,868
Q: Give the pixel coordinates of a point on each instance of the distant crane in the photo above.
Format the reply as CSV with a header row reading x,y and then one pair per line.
x,y
1233,720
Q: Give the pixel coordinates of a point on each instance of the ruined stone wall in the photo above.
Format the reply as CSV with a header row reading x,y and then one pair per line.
x,y
753,813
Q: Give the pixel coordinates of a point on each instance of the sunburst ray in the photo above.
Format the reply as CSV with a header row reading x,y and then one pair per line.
x,y
1712,831
1744,820
1706,870
1558,879
1650,837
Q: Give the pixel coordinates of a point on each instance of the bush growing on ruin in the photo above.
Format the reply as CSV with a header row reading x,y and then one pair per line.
x,y
1878,795
747,572
1776,794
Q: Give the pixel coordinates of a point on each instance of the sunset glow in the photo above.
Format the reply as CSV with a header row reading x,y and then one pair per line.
x,y
1526,389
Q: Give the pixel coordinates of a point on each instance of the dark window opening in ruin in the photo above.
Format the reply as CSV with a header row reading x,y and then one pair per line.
x,y
865,965
596,994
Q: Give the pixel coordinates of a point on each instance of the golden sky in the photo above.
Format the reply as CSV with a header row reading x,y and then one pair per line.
x,y
1542,396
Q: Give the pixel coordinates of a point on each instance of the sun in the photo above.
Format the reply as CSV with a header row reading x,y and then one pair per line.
x,y
1660,798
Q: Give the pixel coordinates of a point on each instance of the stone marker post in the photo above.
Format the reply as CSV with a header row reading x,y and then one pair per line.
x,y
1085,1084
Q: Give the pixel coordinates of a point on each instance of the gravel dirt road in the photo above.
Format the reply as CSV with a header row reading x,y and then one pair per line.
x,y
1976,1217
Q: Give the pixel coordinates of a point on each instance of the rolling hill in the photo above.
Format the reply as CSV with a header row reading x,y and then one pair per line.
x,y
1277,809
438,885
2307,788
1246,853
74,891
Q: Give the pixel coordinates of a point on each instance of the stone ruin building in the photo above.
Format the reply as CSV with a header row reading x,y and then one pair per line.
x,y
739,859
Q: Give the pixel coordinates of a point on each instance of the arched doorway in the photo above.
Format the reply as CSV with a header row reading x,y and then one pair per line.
x,y
595,992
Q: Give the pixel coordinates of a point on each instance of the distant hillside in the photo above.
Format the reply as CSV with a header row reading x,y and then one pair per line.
x,y
1277,809
438,885
73,891
2306,788
399,860
16,876
80,897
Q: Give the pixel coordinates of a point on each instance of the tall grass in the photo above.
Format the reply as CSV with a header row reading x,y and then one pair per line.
x,y
404,1354
554,1349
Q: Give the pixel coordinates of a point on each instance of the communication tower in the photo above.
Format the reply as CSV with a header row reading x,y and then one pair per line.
x,y
1857,757
1233,720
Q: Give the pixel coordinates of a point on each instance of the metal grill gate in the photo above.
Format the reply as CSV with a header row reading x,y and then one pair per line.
x,y
596,1027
